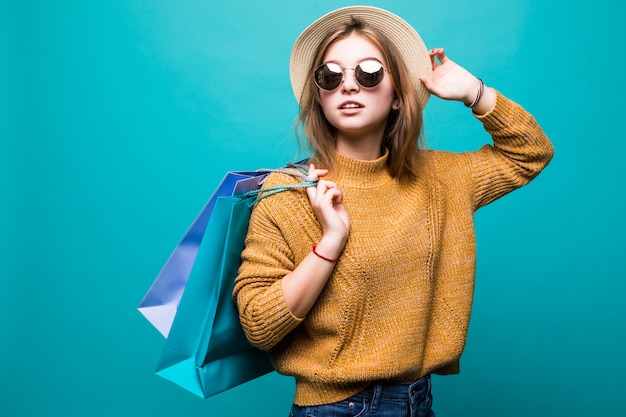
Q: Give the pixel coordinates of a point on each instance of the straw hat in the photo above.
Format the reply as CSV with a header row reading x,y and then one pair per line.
x,y
407,40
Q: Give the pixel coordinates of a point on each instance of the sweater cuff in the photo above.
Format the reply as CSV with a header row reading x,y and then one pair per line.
x,y
503,112
278,321
495,114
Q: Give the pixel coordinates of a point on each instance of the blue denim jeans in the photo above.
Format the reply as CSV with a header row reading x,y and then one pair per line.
x,y
380,399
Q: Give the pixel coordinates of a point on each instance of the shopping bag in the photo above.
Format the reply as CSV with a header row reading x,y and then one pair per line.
x,y
160,303
206,351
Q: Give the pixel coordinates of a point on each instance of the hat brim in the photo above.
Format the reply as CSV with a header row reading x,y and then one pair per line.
x,y
406,39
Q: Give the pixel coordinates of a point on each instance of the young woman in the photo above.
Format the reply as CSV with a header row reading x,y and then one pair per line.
x,y
361,287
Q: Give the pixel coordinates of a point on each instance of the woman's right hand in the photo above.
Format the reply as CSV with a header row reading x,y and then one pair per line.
x,y
327,202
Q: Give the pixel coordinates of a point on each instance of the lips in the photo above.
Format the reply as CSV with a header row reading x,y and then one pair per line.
x,y
347,105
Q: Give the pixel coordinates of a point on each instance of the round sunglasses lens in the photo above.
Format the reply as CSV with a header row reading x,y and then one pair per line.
x,y
328,76
369,73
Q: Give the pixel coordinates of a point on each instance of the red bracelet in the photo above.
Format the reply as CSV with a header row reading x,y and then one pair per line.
x,y
323,257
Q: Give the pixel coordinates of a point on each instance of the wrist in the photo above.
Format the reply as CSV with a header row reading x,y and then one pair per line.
x,y
319,255
472,101
486,103
329,247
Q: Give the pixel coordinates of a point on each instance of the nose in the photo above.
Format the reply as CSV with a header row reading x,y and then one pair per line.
x,y
349,83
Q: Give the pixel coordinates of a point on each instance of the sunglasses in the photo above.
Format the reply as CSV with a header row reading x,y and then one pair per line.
x,y
368,74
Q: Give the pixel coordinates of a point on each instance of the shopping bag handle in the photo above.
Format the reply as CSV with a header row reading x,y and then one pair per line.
x,y
300,172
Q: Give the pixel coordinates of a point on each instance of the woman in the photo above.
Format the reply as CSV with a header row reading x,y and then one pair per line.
x,y
361,287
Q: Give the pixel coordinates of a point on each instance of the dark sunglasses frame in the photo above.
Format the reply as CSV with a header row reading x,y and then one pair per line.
x,y
364,78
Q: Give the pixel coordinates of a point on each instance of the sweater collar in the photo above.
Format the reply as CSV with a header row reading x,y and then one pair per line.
x,y
359,173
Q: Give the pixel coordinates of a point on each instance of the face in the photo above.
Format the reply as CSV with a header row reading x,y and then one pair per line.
x,y
355,111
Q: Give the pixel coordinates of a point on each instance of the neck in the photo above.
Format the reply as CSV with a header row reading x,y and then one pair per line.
x,y
363,148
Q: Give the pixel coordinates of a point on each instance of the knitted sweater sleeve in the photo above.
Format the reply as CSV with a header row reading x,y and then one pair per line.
x,y
519,152
266,259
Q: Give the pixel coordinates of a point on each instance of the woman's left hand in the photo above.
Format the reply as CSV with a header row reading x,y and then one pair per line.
x,y
451,81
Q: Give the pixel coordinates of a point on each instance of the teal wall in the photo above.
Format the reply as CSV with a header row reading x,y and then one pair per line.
x,y
118,118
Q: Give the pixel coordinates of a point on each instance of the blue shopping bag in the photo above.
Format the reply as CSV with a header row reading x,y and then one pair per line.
x,y
160,303
206,351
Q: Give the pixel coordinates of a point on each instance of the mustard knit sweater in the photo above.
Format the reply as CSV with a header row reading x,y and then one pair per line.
x,y
397,305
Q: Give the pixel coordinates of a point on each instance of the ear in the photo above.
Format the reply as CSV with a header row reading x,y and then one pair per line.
x,y
396,104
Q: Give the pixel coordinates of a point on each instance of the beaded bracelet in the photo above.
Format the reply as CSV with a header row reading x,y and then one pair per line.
x,y
323,257
481,88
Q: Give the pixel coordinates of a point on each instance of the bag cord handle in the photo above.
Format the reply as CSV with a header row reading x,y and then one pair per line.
x,y
301,173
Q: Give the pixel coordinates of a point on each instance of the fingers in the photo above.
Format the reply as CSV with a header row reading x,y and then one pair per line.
x,y
428,83
324,189
316,173
327,202
439,54
325,193
437,59
321,187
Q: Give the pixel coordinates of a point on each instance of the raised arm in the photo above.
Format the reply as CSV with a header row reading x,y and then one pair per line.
x,y
520,147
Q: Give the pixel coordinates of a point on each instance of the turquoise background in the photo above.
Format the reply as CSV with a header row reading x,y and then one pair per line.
x,y
118,119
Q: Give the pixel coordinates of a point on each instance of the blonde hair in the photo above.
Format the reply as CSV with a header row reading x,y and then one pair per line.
x,y
403,136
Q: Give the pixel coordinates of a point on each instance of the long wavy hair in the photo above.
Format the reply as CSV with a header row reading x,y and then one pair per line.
x,y
403,136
